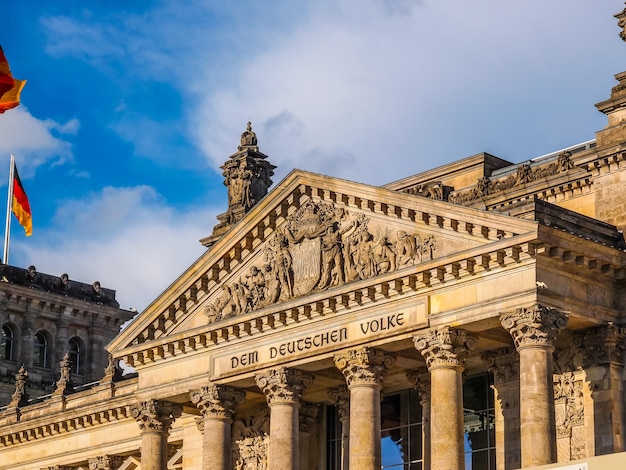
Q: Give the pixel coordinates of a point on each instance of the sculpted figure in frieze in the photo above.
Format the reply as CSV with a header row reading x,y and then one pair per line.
x,y
524,174
320,246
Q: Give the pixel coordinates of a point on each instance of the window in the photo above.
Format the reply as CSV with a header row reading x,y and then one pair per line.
x,y
40,350
479,437
6,343
74,351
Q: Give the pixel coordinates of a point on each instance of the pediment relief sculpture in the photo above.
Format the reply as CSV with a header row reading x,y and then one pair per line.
x,y
320,246
524,174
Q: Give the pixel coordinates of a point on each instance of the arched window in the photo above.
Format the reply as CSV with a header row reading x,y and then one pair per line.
x,y
6,343
40,350
75,351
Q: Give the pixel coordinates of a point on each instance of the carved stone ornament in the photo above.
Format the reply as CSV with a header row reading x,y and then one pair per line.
x,y
534,326
524,174
251,441
445,347
602,345
365,366
569,416
503,363
217,401
20,397
155,415
319,247
282,385
621,23
64,385
106,462
432,189
420,379
112,372
340,397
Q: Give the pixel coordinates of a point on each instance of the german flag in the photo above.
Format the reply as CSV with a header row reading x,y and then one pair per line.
x,y
10,88
21,207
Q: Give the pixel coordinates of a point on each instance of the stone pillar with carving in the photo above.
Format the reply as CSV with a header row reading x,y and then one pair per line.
x,y
307,418
20,397
364,370
534,330
603,362
283,390
217,404
420,379
155,418
504,364
446,350
340,397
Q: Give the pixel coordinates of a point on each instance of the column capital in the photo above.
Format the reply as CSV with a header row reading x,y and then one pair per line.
x,y
155,415
602,344
217,401
365,366
503,363
282,385
445,347
532,326
340,397
420,379
105,462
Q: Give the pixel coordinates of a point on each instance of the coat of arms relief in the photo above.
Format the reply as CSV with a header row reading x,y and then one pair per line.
x,y
320,246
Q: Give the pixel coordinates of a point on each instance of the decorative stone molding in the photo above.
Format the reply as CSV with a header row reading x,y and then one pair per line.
x,y
340,397
365,366
307,415
445,347
503,363
112,372
155,415
251,441
217,401
105,462
20,397
524,174
420,379
534,326
282,385
64,385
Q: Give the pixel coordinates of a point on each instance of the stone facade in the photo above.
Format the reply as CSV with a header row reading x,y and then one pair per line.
x,y
471,313
45,318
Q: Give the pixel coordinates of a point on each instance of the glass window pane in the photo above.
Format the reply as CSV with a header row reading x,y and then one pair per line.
x,y
393,446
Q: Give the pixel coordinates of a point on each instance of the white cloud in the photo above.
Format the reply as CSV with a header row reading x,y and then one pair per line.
x,y
127,238
35,141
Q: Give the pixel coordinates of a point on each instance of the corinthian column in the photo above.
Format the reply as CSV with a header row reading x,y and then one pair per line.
x,y
534,332
283,390
217,404
420,379
364,370
155,418
445,351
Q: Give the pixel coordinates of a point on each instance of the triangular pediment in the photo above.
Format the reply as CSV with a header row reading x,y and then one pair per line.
x,y
310,235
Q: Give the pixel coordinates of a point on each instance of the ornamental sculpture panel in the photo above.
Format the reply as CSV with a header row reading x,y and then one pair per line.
x,y
319,247
251,441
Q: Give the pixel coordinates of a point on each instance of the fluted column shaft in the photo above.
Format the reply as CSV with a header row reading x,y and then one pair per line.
x,y
217,404
534,332
445,351
283,390
364,370
155,418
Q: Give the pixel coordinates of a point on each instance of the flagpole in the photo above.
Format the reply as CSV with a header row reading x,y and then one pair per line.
x,y
7,229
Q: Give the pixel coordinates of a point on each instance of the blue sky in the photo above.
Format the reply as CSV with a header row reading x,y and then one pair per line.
x,y
131,107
